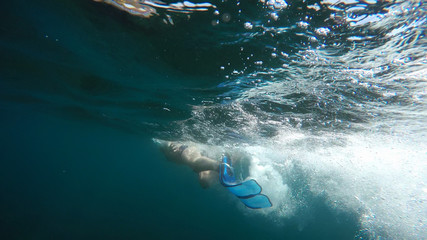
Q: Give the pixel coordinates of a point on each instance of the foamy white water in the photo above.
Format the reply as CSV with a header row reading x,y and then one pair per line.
x,y
380,178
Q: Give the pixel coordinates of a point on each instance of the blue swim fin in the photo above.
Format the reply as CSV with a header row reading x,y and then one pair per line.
x,y
249,192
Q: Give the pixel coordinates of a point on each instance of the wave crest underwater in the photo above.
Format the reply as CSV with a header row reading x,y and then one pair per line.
x,y
327,99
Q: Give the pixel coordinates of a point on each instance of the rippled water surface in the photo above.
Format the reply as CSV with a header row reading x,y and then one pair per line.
x,y
324,101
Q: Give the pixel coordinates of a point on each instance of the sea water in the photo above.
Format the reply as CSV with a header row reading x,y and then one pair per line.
x,y
322,102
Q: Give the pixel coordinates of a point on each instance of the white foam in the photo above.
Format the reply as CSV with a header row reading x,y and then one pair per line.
x,y
380,178
270,178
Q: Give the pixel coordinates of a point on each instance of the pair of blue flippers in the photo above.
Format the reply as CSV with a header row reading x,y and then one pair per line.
x,y
249,191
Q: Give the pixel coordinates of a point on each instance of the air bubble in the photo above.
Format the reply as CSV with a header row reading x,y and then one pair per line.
x,y
226,17
302,24
248,25
274,16
277,4
322,31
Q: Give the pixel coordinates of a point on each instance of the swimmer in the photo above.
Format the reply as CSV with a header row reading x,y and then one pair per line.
x,y
210,171
189,155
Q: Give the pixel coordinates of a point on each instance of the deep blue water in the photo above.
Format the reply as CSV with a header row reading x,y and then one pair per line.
x,y
325,104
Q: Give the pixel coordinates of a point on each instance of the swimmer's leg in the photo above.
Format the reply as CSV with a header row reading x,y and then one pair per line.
x,y
188,155
208,178
191,156
204,164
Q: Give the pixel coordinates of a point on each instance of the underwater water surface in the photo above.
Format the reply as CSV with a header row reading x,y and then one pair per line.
x,y
323,101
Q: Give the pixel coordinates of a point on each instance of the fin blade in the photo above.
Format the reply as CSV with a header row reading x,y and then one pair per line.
x,y
245,189
257,201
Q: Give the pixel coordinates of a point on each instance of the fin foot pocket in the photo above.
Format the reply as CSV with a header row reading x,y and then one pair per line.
x,y
249,192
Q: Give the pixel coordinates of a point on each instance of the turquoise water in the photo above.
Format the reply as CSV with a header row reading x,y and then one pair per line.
x,y
325,104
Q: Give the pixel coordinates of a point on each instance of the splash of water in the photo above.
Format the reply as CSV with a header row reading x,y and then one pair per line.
x,y
327,97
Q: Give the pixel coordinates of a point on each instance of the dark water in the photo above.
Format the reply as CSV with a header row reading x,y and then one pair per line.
x,y
326,102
